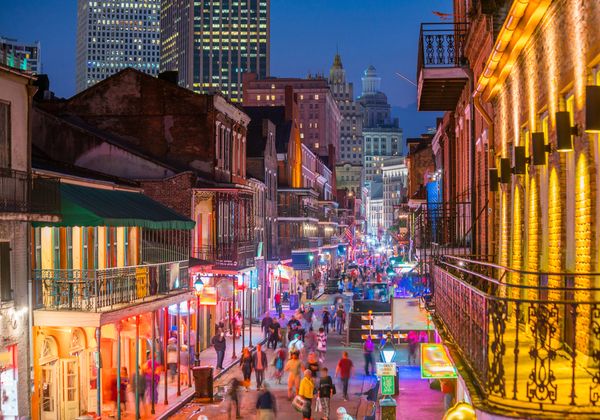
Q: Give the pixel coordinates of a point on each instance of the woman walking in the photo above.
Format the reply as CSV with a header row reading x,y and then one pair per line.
x,y
306,391
322,344
279,363
294,368
246,365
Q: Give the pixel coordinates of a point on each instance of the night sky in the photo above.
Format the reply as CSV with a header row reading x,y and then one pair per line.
x,y
304,37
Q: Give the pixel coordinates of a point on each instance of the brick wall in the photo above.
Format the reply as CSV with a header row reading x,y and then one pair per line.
x,y
174,192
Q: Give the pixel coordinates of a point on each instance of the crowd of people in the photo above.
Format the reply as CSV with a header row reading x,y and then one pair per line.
x,y
299,347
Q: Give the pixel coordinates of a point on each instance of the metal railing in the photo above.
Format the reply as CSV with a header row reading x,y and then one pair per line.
x,y
238,255
100,289
23,192
531,340
441,45
284,210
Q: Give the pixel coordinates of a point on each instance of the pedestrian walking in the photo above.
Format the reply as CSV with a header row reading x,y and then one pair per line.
x,y
313,365
265,326
277,300
306,391
413,344
184,363
325,319
296,345
368,349
238,320
279,364
123,390
234,398
172,359
340,319
294,369
138,385
246,366
259,364
326,392
322,344
273,334
299,291
310,340
266,406
219,343
344,372
283,330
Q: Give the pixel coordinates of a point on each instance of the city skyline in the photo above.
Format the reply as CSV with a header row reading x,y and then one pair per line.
x,y
292,55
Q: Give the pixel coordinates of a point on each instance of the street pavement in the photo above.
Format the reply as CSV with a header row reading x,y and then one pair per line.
x,y
416,400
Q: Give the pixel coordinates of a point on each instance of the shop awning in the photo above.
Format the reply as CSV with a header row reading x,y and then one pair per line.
x,y
85,206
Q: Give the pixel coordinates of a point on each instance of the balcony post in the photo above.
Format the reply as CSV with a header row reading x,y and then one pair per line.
x,y
96,290
118,327
137,367
179,338
165,345
98,373
153,363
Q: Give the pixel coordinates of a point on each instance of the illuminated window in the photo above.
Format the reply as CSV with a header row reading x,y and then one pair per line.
x,y
258,97
317,97
316,145
301,97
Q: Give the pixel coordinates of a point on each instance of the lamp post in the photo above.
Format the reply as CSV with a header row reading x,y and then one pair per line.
x,y
198,288
240,287
279,268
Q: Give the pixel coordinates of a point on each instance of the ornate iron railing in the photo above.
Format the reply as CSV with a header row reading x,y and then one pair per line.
x,y
23,192
441,45
239,255
531,340
101,289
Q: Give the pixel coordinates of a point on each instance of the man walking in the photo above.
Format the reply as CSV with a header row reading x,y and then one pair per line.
x,y
265,325
340,316
219,343
277,299
368,349
325,392
259,363
344,372
265,405
274,334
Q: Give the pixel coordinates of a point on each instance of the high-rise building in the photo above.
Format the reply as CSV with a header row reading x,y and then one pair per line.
x,y
395,188
113,35
20,55
351,139
319,115
212,44
381,133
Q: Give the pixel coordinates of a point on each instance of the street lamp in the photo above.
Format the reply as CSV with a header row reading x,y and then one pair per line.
x,y
241,287
198,288
279,268
388,350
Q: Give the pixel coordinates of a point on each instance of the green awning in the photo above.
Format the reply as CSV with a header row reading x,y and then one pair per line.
x,y
85,206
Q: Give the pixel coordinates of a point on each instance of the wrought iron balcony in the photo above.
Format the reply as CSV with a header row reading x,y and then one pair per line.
x,y
105,289
239,255
23,192
529,341
299,211
441,65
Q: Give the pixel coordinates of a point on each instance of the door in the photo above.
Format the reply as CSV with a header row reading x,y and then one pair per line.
x,y
69,399
49,409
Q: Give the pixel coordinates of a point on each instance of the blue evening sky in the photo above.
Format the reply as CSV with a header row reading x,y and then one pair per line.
x,y
304,36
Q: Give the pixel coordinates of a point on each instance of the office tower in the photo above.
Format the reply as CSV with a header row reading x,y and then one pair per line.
x,y
382,135
116,34
20,55
212,44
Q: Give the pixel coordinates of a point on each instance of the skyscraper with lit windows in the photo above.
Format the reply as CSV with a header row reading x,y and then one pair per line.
x,y
211,44
115,34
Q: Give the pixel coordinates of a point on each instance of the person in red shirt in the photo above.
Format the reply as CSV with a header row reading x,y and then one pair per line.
x,y
344,372
277,299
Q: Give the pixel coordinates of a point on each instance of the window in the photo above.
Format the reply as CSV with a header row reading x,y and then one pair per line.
x,y
4,135
317,97
316,145
5,280
258,97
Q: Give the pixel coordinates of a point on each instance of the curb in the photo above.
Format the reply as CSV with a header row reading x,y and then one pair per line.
x,y
176,407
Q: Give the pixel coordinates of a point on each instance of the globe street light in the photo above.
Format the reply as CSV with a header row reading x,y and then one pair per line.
x,y
198,288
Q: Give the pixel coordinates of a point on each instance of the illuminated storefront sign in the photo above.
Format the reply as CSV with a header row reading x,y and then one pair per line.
x,y
209,296
435,362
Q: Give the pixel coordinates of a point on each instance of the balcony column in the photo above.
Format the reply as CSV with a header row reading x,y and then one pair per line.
x,y
165,345
137,367
118,328
189,341
179,338
153,364
99,374
233,355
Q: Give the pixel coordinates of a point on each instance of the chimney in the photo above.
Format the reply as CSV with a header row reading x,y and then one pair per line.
x,y
289,103
171,76
43,84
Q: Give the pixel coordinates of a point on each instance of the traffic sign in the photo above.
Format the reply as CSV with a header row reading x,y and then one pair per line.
x,y
387,385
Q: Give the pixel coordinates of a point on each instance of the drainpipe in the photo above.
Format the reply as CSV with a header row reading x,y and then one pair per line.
x,y
473,166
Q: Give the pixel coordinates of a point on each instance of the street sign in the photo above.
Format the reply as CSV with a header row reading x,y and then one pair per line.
x,y
386,369
387,385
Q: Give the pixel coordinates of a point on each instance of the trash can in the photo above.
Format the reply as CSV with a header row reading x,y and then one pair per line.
x,y
203,382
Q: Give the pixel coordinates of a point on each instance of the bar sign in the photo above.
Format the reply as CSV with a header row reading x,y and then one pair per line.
x,y
387,385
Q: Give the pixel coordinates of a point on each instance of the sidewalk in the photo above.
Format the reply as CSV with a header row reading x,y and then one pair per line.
x,y
208,357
